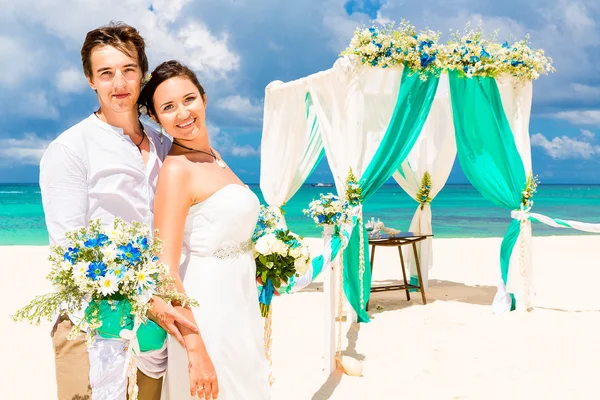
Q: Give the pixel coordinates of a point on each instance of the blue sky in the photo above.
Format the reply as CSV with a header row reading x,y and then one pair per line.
x,y
238,46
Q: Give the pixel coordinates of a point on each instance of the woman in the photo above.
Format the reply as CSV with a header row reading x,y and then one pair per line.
x,y
203,211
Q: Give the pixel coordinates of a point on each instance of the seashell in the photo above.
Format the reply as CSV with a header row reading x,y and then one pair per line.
x,y
351,366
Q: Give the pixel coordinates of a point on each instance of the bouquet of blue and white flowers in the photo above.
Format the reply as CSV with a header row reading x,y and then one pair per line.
x,y
268,220
328,209
279,255
112,275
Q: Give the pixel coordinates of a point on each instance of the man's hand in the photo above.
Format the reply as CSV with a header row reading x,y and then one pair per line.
x,y
166,315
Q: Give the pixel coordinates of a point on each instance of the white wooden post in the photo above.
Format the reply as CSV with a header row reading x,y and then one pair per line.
x,y
329,292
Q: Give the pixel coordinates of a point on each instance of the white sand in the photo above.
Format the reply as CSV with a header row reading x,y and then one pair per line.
x,y
452,348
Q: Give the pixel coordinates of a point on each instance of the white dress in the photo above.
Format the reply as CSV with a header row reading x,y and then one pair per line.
x,y
219,272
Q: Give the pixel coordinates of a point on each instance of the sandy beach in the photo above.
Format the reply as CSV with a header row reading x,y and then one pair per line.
x,y
452,348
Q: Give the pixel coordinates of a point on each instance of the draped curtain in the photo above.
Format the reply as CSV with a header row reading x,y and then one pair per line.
x,y
370,119
489,157
434,152
291,145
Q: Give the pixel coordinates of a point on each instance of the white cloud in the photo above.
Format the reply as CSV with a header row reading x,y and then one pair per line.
x,y
565,147
71,80
208,53
36,104
18,63
586,90
25,151
244,151
576,17
588,135
226,145
241,106
580,117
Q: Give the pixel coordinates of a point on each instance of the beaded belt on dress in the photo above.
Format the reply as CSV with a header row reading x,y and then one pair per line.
x,y
233,251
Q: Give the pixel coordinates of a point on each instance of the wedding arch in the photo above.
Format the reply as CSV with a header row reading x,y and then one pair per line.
x,y
399,104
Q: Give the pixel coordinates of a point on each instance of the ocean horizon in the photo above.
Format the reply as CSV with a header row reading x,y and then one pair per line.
x,y
459,211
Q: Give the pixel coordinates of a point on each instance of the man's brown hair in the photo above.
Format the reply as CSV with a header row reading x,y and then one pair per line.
x,y
119,35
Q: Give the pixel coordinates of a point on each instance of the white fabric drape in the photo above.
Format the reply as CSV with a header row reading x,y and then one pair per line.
x,y
354,105
434,152
516,101
291,142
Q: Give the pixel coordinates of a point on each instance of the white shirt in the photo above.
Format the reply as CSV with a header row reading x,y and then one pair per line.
x,y
93,170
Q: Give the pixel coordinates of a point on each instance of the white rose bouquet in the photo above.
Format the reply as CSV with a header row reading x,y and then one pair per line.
x,y
279,255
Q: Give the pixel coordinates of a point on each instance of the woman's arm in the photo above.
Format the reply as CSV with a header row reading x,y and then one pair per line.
x,y
171,206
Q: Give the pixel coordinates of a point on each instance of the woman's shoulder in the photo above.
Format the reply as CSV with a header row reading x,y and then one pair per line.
x,y
175,169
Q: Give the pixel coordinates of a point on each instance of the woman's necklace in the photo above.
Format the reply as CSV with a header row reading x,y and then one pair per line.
x,y
218,161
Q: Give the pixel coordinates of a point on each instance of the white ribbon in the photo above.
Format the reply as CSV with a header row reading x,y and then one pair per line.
x,y
522,215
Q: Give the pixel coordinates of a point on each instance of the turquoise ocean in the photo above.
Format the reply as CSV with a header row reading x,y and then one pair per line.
x,y
458,211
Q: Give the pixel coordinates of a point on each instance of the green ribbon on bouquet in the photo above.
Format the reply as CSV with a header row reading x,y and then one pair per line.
x,y
114,318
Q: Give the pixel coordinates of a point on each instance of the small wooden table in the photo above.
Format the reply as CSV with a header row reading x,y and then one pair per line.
x,y
399,240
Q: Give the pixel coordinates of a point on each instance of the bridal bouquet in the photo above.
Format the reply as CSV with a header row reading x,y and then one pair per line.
x,y
268,220
279,255
328,209
112,274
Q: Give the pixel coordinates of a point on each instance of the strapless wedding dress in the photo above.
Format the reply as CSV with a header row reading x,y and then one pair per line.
x,y
218,270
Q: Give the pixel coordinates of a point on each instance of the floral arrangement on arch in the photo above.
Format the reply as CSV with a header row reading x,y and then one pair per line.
x,y
328,209
386,47
468,52
353,190
530,189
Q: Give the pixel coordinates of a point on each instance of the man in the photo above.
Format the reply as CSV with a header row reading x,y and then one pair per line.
x,y
105,166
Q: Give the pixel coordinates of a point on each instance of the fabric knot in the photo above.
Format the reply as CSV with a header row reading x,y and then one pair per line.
x,y
521,215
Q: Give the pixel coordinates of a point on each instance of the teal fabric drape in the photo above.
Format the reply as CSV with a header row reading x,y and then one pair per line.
x,y
314,137
413,104
487,151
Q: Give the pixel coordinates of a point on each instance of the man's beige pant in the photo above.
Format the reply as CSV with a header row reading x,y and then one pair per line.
x,y
73,367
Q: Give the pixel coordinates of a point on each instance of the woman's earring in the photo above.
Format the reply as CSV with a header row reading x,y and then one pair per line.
x,y
161,134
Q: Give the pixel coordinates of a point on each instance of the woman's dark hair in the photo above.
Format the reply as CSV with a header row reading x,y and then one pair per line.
x,y
119,35
165,71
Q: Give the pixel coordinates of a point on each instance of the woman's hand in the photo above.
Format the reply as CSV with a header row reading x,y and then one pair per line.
x,y
166,315
203,377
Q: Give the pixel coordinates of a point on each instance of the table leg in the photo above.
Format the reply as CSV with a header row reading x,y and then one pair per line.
x,y
403,272
372,261
414,246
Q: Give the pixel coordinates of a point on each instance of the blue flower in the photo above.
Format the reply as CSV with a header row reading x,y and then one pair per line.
x,y
425,43
484,53
467,69
321,218
142,243
71,255
129,253
96,270
374,62
377,44
427,59
468,42
398,50
516,63
98,241
372,30
119,271
388,53
505,45
474,59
